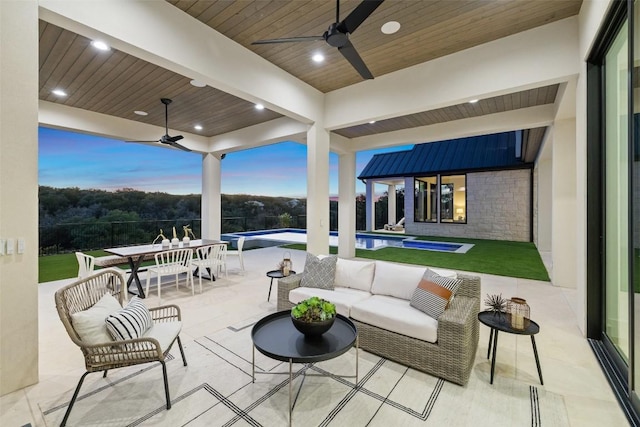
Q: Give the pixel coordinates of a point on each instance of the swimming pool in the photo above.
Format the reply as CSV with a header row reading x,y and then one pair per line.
x,y
363,241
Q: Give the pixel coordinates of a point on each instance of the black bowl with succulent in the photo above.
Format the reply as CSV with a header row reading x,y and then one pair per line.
x,y
313,317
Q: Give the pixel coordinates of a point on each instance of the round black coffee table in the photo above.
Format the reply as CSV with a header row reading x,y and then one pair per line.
x,y
277,338
500,322
275,274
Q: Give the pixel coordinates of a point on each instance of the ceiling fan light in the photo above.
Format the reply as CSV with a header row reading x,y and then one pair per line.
x,y
197,83
141,113
259,107
390,27
59,92
318,57
100,45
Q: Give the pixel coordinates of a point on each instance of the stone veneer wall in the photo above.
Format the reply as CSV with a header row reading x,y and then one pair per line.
x,y
498,208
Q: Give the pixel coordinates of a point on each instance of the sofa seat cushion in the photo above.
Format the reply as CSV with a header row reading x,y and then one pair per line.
x,y
396,315
343,298
164,332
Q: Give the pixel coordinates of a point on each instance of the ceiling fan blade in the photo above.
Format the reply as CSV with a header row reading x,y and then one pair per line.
x,y
358,15
290,40
173,138
351,55
176,145
145,142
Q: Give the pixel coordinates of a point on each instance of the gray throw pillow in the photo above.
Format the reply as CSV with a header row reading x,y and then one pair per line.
x,y
319,273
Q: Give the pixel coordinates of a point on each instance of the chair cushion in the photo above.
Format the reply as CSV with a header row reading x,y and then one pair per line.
x,y
319,273
396,280
433,293
164,332
89,324
343,298
396,315
131,322
355,274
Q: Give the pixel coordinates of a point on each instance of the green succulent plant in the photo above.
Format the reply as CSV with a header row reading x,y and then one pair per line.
x,y
314,309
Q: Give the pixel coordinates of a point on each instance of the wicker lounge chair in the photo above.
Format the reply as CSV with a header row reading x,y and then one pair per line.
x,y
84,294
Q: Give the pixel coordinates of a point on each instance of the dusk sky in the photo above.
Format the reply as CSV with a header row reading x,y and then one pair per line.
x,y
68,159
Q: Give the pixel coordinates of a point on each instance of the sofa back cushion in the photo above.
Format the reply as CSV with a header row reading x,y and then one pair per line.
x,y
355,274
396,280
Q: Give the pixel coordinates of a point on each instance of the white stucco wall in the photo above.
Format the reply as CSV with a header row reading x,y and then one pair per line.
x,y
19,193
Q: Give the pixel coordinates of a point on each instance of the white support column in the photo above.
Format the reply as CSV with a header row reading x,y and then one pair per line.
x,y
347,205
211,196
391,204
19,194
318,226
564,195
371,207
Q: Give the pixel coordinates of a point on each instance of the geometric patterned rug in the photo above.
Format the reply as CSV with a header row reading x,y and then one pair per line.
x,y
216,389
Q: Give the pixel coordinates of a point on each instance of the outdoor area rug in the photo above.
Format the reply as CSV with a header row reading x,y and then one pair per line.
x,y
216,389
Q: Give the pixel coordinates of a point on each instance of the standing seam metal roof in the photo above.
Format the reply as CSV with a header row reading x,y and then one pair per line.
x,y
497,151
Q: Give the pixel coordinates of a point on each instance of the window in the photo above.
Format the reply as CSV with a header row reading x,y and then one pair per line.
x,y
425,200
453,203
443,195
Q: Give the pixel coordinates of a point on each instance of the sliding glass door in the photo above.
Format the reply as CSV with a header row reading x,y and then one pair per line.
x,y
616,186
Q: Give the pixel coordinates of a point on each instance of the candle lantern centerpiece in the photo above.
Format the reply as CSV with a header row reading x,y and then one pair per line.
x,y
519,312
287,264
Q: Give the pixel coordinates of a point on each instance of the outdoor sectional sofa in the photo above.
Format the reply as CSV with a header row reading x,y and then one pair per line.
x,y
375,296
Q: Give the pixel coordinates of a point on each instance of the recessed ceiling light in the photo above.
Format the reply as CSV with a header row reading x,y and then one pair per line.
x,y
259,107
372,122
390,27
318,57
141,113
473,101
59,92
197,83
100,45
197,127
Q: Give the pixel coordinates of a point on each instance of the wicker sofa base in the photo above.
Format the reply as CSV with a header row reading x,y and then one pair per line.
x,y
451,357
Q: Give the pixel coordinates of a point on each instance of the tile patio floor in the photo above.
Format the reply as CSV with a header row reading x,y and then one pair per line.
x,y
568,364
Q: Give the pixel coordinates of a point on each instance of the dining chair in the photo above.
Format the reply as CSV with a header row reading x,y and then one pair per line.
x,y
86,264
171,263
209,258
84,307
238,252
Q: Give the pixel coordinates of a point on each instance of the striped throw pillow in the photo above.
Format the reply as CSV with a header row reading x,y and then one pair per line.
x,y
433,293
130,322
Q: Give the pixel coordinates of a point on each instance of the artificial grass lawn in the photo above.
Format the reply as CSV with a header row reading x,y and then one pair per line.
x,y
64,266
502,258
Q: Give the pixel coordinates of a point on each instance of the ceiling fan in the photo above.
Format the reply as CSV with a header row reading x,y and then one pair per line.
x,y
337,35
166,139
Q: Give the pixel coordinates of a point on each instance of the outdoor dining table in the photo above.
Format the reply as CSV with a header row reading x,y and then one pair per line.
x,y
136,254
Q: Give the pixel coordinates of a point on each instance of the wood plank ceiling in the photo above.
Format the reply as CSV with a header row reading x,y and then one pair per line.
x,y
117,84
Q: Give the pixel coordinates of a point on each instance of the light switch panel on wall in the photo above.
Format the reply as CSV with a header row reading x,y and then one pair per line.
x,y
11,245
20,245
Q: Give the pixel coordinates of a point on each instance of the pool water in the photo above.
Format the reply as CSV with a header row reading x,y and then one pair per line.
x,y
363,241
